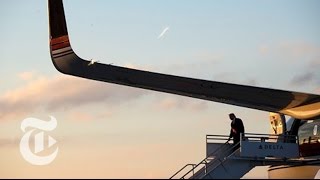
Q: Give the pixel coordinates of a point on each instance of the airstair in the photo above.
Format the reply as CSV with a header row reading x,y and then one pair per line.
x,y
225,160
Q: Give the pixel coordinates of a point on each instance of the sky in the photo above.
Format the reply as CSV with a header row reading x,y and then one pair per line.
x,y
111,131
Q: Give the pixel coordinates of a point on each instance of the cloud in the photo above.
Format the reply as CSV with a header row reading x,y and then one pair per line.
x,y
298,49
263,49
12,142
87,117
315,63
60,92
290,50
164,31
26,76
181,103
309,75
81,116
303,79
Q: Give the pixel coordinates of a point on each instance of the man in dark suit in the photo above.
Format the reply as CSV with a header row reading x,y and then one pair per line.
x,y
236,128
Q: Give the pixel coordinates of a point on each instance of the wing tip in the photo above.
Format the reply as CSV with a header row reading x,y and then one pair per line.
x,y
57,20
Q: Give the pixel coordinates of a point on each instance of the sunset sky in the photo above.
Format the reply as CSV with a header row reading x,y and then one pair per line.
x,y
111,131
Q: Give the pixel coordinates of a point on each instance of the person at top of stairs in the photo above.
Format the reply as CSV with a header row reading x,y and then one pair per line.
x,y
236,129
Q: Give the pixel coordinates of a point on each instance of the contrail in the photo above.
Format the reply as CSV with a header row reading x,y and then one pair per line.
x,y
163,32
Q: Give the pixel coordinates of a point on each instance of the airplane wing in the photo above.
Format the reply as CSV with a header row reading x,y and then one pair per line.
x,y
296,104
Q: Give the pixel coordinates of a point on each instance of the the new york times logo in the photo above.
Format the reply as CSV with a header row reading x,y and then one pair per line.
x,y
35,130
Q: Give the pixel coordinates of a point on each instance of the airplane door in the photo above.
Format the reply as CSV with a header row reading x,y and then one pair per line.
x,y
278,123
